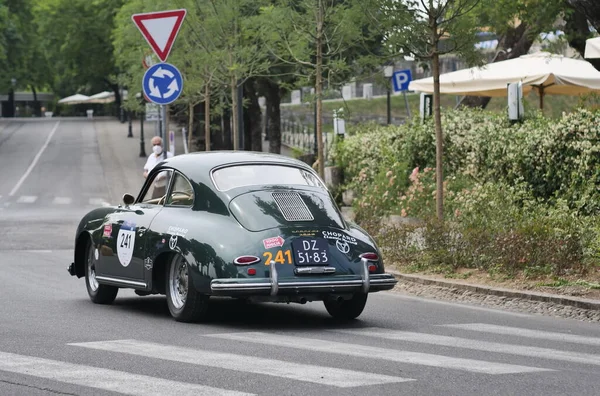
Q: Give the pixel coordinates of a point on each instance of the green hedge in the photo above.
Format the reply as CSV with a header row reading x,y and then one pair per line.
x,y
520,197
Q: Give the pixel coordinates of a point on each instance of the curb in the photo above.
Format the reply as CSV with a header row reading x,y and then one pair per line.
x,y
542,297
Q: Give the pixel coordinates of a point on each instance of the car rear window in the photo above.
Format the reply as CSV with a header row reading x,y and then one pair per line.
x,y
250,175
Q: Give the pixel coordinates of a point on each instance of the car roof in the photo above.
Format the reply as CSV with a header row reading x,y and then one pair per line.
x,y
197,165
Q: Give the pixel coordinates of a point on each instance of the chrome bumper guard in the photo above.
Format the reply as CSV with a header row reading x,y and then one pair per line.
x,y
366,283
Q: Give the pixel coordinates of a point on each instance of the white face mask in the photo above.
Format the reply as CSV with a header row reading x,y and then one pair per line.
x,y
157,149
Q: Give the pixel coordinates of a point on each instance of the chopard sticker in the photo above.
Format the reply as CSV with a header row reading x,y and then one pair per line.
x,y
338,236
179,231
126,242
148,263
273,242
108,230
173,242
342,246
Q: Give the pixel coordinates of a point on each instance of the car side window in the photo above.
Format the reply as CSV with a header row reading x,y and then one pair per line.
x,y
157,189
182,193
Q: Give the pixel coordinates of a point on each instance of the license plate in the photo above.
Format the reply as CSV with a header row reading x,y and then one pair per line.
x,y
310,251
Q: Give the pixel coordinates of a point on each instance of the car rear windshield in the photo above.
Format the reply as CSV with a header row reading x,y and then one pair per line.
x,y
250,175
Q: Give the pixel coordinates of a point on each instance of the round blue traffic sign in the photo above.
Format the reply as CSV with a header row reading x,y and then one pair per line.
x,y
162,83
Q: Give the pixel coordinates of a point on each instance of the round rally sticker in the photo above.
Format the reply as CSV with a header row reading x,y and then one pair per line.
x,y
126,242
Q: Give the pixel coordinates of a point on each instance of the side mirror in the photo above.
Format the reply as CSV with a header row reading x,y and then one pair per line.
x,y
128,199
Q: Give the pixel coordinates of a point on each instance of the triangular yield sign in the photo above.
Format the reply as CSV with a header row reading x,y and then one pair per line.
x,y
160,29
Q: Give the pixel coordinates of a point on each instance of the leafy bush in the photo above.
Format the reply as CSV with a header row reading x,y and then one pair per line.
x,y
518,198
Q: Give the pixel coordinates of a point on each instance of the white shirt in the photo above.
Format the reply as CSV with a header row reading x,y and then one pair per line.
x,y
153,159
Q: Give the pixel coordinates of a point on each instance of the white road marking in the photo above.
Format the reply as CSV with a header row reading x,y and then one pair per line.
x,y
393,355
457,342
100,378
27,199
341,378
35,160
527,333
62,201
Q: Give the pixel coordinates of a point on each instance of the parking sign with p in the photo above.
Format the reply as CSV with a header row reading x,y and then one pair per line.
x,y
401,79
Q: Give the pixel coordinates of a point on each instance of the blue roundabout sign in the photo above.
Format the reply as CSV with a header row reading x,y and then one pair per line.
x,y
162,83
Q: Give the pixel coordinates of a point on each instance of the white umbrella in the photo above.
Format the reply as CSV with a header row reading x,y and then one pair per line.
x,y
74,99
544,72
102,97
592,48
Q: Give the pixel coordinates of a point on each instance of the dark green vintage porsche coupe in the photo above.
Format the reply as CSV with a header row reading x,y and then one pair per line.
x,y
261,227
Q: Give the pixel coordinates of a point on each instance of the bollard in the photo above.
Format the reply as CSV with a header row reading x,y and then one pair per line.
x,y
130,134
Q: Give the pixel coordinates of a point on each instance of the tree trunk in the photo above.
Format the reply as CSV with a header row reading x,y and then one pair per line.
x,y
37,111
318,90
519,41
254,118
234,117
226,143
190,126
577,32
439,142
118,99
207,117
273,97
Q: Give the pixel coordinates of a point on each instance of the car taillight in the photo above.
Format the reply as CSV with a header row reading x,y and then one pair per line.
x,y
251,271
372,268
370,256
246,260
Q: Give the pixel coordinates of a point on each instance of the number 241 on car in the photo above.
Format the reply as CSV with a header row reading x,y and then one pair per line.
x,y
281,257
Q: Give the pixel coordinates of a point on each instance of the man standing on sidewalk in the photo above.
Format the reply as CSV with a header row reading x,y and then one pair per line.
x,y
158,154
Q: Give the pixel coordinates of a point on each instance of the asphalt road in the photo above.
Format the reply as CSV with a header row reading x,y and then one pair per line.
x,y
53,340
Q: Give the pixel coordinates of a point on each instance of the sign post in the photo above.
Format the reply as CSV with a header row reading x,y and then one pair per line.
x,y
162,83
401,80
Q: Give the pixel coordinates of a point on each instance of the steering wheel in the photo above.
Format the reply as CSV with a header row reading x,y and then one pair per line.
x,y
187,194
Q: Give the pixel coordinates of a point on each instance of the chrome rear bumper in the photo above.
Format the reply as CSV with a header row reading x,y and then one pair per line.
x,y
365,283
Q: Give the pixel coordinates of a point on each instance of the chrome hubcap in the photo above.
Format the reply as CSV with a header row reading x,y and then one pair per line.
x,y
92,271
178,282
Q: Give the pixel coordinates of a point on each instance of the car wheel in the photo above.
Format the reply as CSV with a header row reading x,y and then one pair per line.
x,y
185,303
99,294
347,309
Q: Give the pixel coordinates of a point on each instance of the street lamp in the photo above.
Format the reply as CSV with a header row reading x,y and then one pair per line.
x,y
388,72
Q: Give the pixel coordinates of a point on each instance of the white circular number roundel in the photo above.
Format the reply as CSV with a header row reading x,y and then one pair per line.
x,y
125,243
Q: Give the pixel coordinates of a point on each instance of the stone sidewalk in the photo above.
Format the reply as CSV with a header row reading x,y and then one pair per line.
x,y
120,156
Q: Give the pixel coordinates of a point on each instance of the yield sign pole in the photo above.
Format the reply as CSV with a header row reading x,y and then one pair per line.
x,y
160,29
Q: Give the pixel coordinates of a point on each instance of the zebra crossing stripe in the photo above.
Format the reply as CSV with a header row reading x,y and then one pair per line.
x,y
526,333
278,368
62,201
27,199
100,378
466,343
392,355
